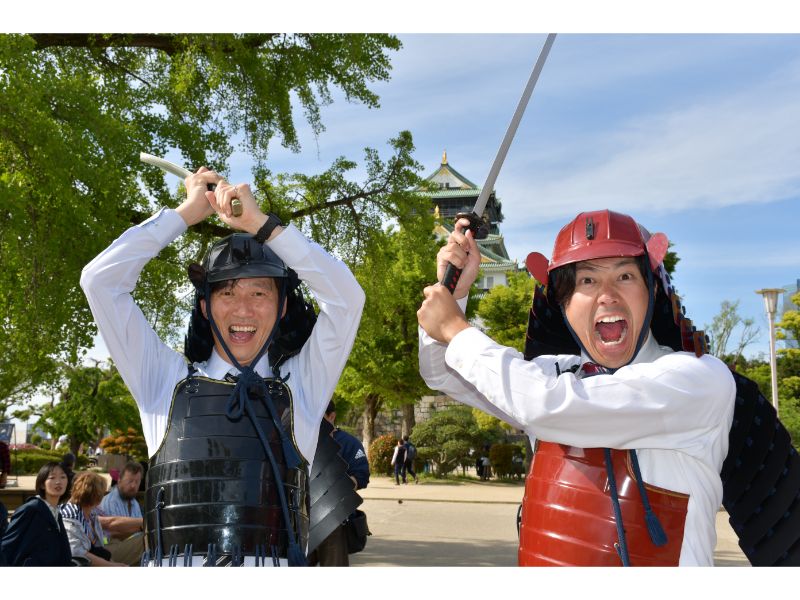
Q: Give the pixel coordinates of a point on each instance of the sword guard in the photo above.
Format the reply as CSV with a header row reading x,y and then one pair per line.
x,y
477,225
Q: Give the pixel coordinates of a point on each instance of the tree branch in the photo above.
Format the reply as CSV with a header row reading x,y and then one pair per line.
x,y
167,43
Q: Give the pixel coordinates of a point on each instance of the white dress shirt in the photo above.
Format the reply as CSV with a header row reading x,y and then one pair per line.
x,y
151,369
675,409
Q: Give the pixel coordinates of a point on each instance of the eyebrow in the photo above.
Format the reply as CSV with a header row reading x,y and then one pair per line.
x,y
587,266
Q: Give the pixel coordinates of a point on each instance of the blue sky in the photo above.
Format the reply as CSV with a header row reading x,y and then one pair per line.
x,y
697,136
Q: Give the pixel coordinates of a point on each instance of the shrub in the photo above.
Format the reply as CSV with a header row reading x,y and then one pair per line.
x,y
29,461
380,454
130,443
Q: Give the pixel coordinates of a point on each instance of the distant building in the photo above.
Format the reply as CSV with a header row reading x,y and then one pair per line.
x,y
456,194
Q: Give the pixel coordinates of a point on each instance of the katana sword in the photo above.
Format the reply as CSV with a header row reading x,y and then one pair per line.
x,y
165,165
477,225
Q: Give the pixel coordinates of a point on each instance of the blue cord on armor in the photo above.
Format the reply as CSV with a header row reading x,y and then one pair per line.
x,y
654,529
622,545
239,403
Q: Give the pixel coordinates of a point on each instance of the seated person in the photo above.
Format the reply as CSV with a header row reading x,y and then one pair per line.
x,y
121,517
36,536
82,523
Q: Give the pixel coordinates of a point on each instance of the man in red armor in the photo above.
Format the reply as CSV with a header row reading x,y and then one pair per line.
x,y
631,431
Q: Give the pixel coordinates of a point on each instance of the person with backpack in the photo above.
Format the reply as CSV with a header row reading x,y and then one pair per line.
x,y
411,455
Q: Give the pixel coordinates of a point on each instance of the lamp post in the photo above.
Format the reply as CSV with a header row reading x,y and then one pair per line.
x,y
771,305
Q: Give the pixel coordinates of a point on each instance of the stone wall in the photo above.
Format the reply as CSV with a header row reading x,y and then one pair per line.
x,y
391,422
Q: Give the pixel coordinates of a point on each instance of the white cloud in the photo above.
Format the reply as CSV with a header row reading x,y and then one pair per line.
x,y
720,151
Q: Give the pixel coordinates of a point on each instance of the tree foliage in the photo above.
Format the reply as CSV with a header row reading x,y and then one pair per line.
x,y
76,110
788,374
130,443
383,370
504,310
447,438
92,400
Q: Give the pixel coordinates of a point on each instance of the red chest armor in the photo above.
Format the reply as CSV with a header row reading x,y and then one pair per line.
x,y
568,519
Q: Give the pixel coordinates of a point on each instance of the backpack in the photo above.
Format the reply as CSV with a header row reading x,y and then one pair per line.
x,y
411,451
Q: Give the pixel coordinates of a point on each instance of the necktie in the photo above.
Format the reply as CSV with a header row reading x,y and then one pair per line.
x,y
590,369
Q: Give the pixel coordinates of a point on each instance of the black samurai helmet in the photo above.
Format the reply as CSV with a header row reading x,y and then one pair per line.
x,y
240,256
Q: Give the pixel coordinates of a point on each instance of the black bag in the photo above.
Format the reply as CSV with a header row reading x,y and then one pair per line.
x,y
101,552
356,531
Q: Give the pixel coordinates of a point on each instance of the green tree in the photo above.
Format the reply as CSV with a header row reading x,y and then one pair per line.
x,y
504,310
91,401
76,110
789,372
383,370
492,429
447,438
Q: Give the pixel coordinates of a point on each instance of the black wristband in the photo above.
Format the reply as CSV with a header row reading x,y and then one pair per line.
x,y
262,235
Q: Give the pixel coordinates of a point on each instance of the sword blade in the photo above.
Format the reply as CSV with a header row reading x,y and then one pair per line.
x,y
483,198
164,165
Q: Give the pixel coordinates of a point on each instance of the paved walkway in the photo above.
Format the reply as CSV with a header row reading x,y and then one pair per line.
x,y
463,524
454,523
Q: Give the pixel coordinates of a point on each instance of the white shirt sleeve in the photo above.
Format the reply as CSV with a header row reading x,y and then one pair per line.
x,y
670,403
149,367
316,369
439,376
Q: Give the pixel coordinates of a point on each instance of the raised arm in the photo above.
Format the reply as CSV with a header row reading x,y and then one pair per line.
x,y
149,367
338,295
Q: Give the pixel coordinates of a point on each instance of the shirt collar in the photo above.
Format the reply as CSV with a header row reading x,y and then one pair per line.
x,y
217,367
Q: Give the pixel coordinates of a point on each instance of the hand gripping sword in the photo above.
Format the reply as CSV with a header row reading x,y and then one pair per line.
x,y
476,224
165,165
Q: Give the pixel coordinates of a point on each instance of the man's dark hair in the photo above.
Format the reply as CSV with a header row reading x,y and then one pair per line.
x,y
68,460
331,408
42,476
293,330
132,467
405,438
562,279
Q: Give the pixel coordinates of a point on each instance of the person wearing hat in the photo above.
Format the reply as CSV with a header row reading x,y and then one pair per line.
x,y
231,424
630,430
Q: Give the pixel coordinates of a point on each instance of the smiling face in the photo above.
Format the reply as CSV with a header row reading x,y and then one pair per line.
x,y
607,309
245,311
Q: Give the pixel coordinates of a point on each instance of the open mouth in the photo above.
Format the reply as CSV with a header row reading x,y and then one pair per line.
x,y
241,333
611,330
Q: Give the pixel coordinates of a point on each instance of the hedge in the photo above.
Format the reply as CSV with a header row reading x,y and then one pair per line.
x,y
29,461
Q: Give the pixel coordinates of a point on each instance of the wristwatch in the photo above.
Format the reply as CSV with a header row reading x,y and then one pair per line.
x,y
262,235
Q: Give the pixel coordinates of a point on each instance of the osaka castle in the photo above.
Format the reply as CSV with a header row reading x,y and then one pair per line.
x,y
453,193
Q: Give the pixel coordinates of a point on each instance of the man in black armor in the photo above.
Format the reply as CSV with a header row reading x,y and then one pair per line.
x,y
230,434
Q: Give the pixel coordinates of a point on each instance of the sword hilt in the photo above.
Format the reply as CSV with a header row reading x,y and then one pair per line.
x,y
479,229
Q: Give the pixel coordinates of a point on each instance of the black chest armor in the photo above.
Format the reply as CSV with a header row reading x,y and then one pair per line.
x,y
218,485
